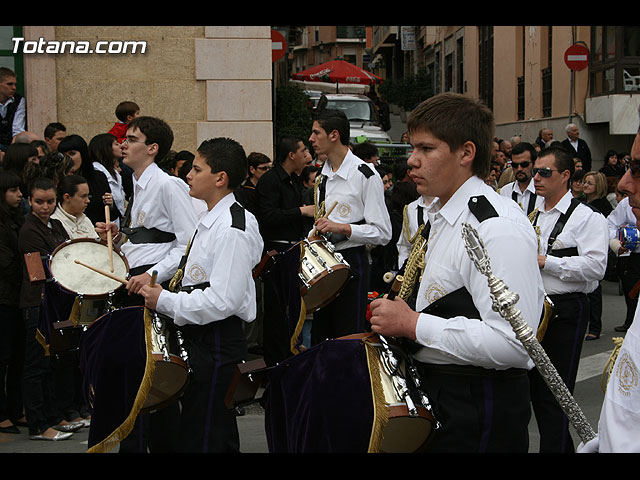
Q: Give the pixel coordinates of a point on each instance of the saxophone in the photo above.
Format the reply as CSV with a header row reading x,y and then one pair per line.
x,y
548,304
415,264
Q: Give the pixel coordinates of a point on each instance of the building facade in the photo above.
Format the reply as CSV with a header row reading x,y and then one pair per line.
x,y
205,81
521,74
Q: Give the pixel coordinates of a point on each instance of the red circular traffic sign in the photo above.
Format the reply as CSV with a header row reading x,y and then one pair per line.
x,y
576,57
278,46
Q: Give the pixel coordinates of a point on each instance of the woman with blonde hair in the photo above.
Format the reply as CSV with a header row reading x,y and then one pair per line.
x,y
595,190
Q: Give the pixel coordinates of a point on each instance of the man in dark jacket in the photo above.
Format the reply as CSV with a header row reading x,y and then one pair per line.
x,y
576,146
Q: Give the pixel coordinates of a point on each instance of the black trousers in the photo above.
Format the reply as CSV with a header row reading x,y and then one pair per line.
x,y
595,311
628,269
276,334
480,410
155,432
11,361
206,424
346,314
562,342
38,387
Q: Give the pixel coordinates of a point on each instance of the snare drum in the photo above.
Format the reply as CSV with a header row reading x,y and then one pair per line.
x,y
323,272
629,237
171,373
93,290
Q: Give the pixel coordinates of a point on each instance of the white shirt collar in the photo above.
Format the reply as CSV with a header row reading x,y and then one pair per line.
x,y
151,171
458,201
345,167
563,204
217,210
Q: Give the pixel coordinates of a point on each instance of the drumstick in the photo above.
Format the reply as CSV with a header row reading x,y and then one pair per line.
x,y
154,277
107,217
102,272
326,215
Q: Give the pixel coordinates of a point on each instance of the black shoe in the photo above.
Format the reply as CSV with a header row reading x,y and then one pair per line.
x,y
621,328
10,429
592,336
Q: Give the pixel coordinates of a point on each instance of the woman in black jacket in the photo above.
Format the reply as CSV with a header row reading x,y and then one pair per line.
x,y
594,187
99,190
612,166
11,325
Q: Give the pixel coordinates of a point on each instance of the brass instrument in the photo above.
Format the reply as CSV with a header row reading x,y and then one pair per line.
x,y
415,264
548,304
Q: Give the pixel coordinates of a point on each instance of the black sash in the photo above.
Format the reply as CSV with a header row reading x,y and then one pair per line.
x,y
141,234
557,229
532,200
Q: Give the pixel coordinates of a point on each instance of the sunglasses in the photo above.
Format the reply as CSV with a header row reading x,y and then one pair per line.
x,y
634,167
264,168
543,172
515,165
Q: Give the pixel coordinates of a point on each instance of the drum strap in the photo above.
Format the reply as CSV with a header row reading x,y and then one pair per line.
x,y
142,234
175,283
559,226
532,201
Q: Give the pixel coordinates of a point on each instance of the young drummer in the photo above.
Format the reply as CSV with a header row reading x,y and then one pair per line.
x,y
216,296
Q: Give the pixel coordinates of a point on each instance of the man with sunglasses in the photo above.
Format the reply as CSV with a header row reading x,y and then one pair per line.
x,y
572,257
619,424
522,190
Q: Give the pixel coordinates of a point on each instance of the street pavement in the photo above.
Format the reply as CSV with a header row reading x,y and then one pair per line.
x,y
588,394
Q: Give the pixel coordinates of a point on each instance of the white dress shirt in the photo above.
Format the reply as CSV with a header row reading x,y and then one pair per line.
x,y
359,197
115,185
511,245
19,117
163,202
619,425
409,230
619,216
587,230
522,198
224,256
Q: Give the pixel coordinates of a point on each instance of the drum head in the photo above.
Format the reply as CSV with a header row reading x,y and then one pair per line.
x,y
170,378
404,433
325,287
80,279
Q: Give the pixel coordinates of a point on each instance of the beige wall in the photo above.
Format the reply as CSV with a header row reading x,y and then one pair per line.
x,y
204,81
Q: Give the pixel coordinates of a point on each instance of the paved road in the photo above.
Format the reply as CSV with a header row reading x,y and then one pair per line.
x,y
588,394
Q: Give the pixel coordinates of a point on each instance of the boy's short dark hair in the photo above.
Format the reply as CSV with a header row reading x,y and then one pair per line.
x,y
6,72
286,145
126,109
365,150
331,119
51,129
157,131
455,119
225,155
